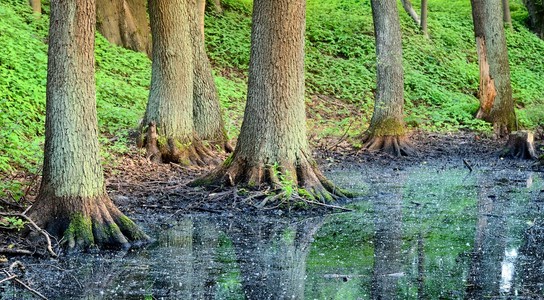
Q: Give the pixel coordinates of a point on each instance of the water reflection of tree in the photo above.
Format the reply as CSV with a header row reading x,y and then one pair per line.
x,y
530,264
272,256
489,244
387,247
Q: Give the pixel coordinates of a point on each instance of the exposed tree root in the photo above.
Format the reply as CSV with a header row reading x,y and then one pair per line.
x,y
81,224
166,150
520,145
302,178
391,144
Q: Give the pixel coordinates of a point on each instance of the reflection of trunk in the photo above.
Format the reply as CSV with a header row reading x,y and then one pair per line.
x,y
387,248
176,274
489,246
531,262
206,242
273,257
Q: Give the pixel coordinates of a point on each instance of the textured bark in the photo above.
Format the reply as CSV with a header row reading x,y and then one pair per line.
x,y
387,130
521,144
272,142
124,23
424,11
72,200
170,105
507,17
502,114
208,119
411,11
536,16
36,6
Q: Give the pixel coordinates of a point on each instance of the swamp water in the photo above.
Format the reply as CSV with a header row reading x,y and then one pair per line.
x,y
416,233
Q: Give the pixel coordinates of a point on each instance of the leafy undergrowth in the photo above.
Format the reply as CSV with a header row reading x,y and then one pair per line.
x,y
441,76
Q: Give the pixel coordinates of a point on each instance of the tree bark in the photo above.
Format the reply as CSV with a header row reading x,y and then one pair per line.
x,y
72,202
387,130
272,144
170,107
36,6
507,17
424,11
208,119
536,16
495,92
124,23
411,11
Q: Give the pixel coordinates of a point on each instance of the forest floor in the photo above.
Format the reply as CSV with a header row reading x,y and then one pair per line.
x,y
151,193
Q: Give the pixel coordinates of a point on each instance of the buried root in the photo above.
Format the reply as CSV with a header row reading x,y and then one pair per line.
x,y
391,144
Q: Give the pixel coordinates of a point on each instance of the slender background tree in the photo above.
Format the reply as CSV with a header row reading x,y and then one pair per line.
x,y
387,131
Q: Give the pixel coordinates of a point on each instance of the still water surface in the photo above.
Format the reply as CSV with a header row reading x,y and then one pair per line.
x,y
418,233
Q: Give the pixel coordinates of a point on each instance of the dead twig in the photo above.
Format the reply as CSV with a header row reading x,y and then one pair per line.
x,y
16,279
328,205
16,251
8,278
43,232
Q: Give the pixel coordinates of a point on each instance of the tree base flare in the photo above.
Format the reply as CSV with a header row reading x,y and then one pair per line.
x,y
83,223
520,145
390,144
165,150
301,178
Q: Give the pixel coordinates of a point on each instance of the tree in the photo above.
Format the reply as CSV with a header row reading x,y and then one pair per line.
x,y
72,203
507,17
36,6
168,124
208,119
536,16
124,23
421,22
272,144
495,93
387,131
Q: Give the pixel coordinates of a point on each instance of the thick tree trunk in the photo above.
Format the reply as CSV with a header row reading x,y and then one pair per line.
x,y
72,201
168,122
272,144
36,6
424,11
502,113
387,130
520,145
208,119
495,92
536,16
124,23
486,91
507,17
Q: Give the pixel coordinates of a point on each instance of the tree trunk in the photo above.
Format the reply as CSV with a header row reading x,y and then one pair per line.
x,y
507,17
387,130
208,119
424,11
502,113
36,6
411,11
216,6
272,144
168,121
486,91
72,202
124,23
520,145
536,16
201,13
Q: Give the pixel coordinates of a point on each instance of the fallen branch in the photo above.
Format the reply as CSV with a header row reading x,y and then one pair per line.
x,y
8,278
467,165
16,279
328,205
43,232
16,251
